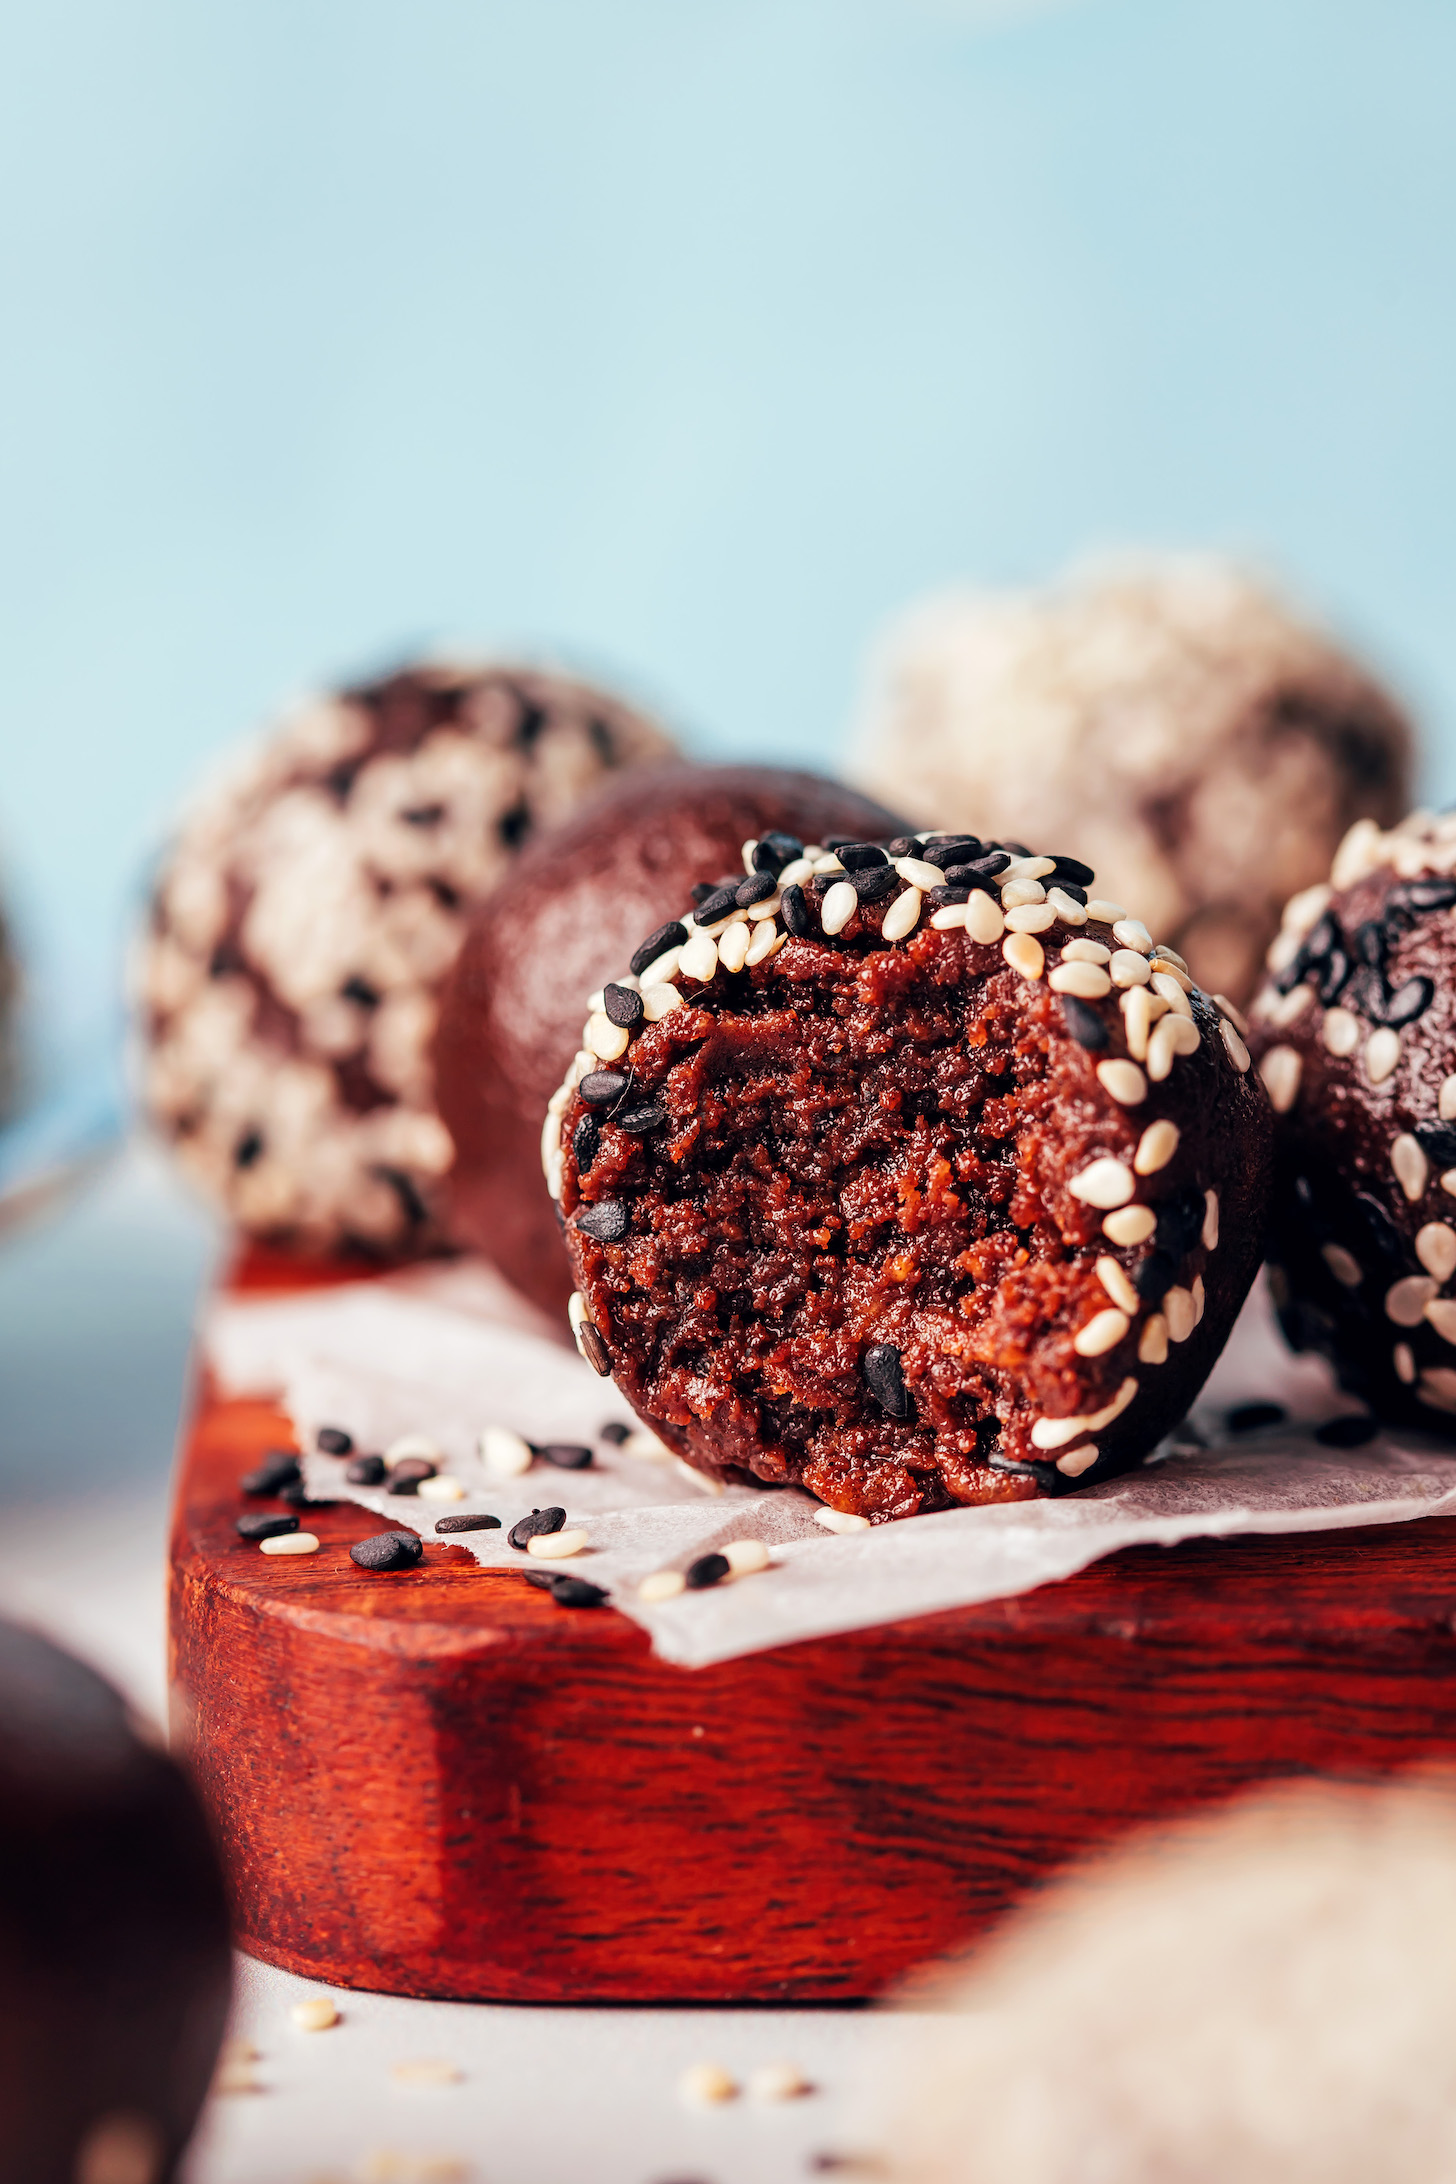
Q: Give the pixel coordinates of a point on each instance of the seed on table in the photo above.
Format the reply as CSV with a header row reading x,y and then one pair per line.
x,y
576,1592
316,2013
504,1454
539,1523
707,1570
476,1522
409,1446
278,1469
706,2085
387,1551
443,1488
661,1585
1349,1432
405,1477
429,2071
366,1471
290,1543
841,1520
254,1525
557,1545
745,1556
333,1441
614,1431
777,2082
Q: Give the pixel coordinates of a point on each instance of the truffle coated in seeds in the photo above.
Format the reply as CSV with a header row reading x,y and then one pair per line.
x,y
907,1235
289,978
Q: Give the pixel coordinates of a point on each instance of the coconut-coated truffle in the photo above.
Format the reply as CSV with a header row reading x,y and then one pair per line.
x,y
921,1176
1171,721
305,919
1355,1033
575,906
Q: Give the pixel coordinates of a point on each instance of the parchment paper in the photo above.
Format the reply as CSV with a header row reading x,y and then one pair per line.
x,y
446,1351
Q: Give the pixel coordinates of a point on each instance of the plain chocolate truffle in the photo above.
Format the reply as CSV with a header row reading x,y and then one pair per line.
x,y
306,917
929,1179
575,908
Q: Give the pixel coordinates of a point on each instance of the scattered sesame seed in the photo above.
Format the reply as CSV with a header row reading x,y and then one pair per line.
x,y
646,1447
1123,1082
1102,1332
442,1488
1153,1345
1412,1169
407,1477
278,1469
1156,1147
983,920
1170,1037
777,2082
425,2072
706,2085
568,1591
903,915
333,1441
734,945
1104,1183
1181,1314
745,1556
662,1585
841,1520
235,2074
316,2013
365,1471
504,1454
1113,1278
1078,1460
255,1525
707,1570
1253,1417
559,1546
1406,1300
409,1446
1130,1225
1402,1358
699,958
1087,951
1234,1046
838,907
388,1551
292,1543
539,1524
478,1521
1024,953
1382,1052
1086,980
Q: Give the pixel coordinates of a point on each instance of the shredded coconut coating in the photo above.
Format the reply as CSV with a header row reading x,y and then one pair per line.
x,y
1171,721
310,909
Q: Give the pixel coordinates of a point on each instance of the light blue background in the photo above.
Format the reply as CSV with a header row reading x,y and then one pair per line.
x,y
688,336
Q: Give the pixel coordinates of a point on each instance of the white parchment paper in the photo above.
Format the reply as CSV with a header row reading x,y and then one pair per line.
x,y
446,1351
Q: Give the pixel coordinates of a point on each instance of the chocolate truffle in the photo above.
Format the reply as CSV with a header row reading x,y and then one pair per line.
x,y
925,1179
305,920
115,1968
573,910
1355,1032
1172,721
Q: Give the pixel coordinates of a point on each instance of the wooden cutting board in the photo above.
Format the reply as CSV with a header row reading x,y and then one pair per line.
x,y
440,1783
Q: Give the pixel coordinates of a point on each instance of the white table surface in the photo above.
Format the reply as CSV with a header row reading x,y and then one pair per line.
x,y
95,1312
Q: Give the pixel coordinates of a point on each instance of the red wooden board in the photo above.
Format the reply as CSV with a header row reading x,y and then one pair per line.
x,y
440,1783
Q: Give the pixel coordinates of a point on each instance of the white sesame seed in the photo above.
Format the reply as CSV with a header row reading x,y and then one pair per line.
x,y
1164,983
745,1556
1141,1010
664,968
1210,1221
1102,1332
316,2013
1130,1225
841,1520
659,1001
1067,907
441,1488
1023,951
608,1041
1170,1036
1281,1070
1343,1265
291,1543
1049,1433
1436,1250
1446,1103
550,1142
735,916
1033,917
1441,1313
903,915
748,864
1412,1169
1235,1016
504,1454
236,2074
699,958
1438,1388
1448,1182
1234,1046
1105,912
1180,1313
706,2084
1406,1300
983,920
596,1001
734,945
951,916
557,1546
700,1480
1123,1082
1132,933
796,872
1024,895
915,872
1281,1009
1163,966
813,851
1153,1346
1403,1359
1030,868
766,942
1087,951
1087,980
645,1447
768,908
1382,1052
411,1445
777,2082
1105,1182
427,2070
1078,1460
1156,1147
1113,1278
838,907
1171,955
1200,1298
662,1585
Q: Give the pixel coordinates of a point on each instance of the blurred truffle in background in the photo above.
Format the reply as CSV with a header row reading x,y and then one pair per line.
x,y
1171,721
306,917
1263,1994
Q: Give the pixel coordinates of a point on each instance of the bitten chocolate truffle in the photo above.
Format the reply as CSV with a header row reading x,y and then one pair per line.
x,y
925,1178
304,922
1355,1032
577,904
1170,720
115,1969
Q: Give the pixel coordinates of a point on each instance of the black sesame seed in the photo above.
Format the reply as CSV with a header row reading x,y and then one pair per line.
x,y
467,1524
600,1087
1370,943
1070,887
717,905
365,1471
1251,1417
884,1379
1438,1141
859,856
1072,868
953,849
756,889
1180,1221
566,1455
226,960
1380,1229
359,989
333,1441
671,935
1425,894
1330,977
1155,1277
297,1496
642,1120
254,1525
607,1221
423,815
904,845
622,1006
700,893
407,1473
971,876
795,912
707,1570
614,1432
1408,1002
594,1349
539,1525
388,1551
1083,1022
278,1469
870,882
585,1139
774,850
1352,1432
939,897
247,1149
576,1592
1042,1473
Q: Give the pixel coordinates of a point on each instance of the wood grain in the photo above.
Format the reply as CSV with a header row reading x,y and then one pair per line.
x,y
440,1783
